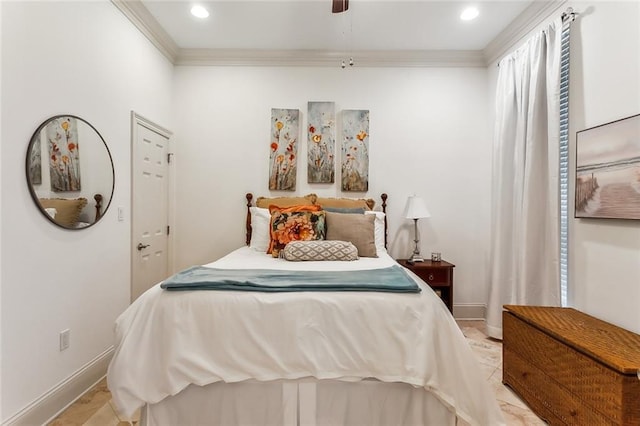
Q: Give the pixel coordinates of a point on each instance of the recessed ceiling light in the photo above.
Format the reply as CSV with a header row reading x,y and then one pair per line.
x,y
199,12
469,14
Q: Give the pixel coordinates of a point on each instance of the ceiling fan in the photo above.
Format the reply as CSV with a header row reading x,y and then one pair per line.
x,y
339,6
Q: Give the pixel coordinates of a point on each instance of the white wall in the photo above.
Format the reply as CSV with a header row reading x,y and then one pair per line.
x,y
82,58
604,254
605,86
429,135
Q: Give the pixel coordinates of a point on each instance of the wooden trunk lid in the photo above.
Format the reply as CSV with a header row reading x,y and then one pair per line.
x,y
613,346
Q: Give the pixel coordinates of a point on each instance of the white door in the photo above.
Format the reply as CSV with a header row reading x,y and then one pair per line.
x,y
150,205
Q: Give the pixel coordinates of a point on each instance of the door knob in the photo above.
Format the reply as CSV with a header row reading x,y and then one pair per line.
x,y
142,246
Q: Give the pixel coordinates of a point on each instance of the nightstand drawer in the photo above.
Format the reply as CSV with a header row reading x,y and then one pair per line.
x,y
434,276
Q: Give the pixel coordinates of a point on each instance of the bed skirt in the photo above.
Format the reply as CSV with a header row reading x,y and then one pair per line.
x,y
300,402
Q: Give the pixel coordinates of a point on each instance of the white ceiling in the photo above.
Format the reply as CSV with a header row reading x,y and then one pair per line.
x,y
309,24
305,32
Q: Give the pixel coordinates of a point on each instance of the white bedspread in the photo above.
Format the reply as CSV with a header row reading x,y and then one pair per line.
x,y
168,340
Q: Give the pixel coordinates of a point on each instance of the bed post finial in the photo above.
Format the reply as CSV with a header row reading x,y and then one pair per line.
x,y
98,198
249,197
384,210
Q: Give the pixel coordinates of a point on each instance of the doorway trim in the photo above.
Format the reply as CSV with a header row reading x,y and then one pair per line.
x,y
137,119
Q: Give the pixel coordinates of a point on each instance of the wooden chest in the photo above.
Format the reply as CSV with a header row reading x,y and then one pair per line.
x,y
571,368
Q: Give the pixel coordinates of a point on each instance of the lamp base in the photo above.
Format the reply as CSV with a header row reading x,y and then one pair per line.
x,y
416,258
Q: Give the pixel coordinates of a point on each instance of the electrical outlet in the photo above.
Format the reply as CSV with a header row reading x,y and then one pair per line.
x,y
65,339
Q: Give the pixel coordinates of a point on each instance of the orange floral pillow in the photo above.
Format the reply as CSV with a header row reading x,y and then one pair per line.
x,y
296,223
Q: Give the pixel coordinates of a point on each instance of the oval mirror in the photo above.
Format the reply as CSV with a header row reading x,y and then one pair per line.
x,y
70,172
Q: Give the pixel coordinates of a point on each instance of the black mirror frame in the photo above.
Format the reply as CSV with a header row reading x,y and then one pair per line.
x,y
35,197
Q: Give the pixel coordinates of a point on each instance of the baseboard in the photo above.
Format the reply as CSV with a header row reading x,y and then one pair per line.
x,y
48,406
469,312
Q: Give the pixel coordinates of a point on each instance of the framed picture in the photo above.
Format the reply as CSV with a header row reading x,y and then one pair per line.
x,y
355,150
608,170
64,154
284,149
35,162
321,142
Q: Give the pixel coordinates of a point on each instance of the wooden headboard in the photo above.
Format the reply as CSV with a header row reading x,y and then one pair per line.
x,y
249,197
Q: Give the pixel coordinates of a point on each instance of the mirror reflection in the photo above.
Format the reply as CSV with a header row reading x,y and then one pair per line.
x,y
70,172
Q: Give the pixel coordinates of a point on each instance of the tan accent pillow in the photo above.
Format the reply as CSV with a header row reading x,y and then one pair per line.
x,y
67,209
264,202
346,203
355,228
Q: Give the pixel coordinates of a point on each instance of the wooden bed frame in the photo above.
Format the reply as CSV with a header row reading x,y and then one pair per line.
x,y
249,198
98,198
309,400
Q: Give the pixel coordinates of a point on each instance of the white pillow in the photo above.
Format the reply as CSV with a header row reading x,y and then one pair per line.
x,y
51,212
260,235
378,231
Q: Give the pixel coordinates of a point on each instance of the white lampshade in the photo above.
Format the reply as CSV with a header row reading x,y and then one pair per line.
x,y
416,208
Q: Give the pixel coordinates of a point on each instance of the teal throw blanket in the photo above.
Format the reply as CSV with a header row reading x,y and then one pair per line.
x,y
391,279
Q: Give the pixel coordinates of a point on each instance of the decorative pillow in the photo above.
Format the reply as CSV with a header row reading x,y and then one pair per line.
x,y
348,203
355,228
307,200
297,223
378,231
67,209
320,250
260,235
354,210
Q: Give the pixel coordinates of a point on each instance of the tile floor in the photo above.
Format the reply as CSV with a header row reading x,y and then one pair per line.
x,y
489,354
96,409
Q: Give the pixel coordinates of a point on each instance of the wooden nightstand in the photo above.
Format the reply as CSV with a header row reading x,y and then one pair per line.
x,y
439,276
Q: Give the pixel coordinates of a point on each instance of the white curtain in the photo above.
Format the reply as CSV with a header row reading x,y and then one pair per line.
x,y
524,257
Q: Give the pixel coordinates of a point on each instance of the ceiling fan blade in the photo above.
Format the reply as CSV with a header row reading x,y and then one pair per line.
x,y
339,6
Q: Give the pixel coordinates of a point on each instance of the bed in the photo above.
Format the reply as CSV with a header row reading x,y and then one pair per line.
x,y
302,357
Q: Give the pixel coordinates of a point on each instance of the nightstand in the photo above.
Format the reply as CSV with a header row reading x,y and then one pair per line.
x,y
439,276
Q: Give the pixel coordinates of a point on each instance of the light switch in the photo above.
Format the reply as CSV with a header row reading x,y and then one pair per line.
x,y
120,214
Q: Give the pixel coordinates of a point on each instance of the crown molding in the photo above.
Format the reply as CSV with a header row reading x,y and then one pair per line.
x,y
142,19
526,22
322,58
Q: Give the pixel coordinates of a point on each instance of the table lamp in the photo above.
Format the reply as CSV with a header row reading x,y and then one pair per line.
x,y
416,209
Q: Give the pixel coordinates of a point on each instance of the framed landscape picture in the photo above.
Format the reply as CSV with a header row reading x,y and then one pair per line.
x,y
608,170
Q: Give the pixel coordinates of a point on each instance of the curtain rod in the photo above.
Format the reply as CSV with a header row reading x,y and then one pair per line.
x,y
569,15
